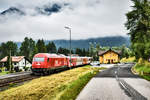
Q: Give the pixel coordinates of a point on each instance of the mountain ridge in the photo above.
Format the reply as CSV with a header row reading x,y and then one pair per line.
x,y
85,43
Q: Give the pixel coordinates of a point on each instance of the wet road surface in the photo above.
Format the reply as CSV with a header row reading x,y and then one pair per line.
x,y
116,83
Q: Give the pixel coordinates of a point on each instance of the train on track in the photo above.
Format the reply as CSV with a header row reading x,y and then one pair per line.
x,y
45,63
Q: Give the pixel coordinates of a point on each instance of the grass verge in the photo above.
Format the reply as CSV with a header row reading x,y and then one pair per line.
x,y
143,69
4,72
62,86
146,77
71,92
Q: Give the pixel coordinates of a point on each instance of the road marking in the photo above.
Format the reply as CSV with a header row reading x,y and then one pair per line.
x,y
123,85
135,95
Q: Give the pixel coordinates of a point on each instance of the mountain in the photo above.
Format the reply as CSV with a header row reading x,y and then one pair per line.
x,y
103,41
12,10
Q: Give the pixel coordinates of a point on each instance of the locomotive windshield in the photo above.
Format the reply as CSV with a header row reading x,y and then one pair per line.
x,y
38,59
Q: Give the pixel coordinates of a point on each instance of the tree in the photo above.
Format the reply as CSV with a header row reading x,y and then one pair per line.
x,y
9,49
98,47
87,52
28,48
83,52
60,50
41,48
97,50
63,51
138,24
51,48
9,65
125,51
91,50
79,51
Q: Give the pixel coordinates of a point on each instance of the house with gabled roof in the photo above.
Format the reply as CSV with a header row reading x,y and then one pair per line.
x,y
109,56
17,61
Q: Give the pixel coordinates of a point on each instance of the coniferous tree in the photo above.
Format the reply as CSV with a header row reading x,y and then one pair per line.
x,y
28,48
79,51
60,50
8,47
63,51
83,52
41,48
51,48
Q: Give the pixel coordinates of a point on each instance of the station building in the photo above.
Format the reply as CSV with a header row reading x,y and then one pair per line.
x,y
109,56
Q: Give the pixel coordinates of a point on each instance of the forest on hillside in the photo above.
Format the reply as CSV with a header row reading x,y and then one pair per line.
x,y
29,48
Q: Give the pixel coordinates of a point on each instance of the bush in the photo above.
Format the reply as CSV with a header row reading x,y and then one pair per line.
x,y
130,59
26,68
140,61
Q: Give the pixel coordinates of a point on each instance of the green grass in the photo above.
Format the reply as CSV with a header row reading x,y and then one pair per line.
x,y
75,87
61,86
4,72
147,77
143,70
127,60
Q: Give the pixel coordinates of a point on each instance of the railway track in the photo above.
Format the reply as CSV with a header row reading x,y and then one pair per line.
x,y
15,78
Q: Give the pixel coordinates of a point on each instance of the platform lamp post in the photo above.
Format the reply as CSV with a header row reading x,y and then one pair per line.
x,y
70,41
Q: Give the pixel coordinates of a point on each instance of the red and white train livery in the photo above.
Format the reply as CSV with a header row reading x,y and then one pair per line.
x,y
45,63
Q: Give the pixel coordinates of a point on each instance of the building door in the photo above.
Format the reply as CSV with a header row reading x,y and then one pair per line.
x,y
112,61
108,61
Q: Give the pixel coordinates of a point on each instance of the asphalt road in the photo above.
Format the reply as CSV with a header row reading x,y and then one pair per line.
x,y
116,83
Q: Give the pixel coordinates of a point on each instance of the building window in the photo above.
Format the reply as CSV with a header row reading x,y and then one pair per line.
x,y
15,63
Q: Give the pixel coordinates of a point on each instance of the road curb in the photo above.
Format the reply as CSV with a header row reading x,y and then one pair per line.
x,y
133,71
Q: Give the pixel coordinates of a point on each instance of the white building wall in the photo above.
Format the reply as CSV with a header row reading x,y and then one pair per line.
x,y
21,64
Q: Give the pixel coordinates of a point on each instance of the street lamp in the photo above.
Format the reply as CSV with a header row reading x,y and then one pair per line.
x,y
70,42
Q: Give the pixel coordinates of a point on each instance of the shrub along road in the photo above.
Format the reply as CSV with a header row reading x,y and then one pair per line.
x,y
116,83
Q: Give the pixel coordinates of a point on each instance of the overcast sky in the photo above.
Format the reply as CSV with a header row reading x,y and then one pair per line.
x,y
87,18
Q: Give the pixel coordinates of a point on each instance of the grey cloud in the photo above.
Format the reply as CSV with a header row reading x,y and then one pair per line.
x,y
88,18
51,8
46,9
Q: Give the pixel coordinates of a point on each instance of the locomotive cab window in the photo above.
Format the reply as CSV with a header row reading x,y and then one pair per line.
x,y
38,59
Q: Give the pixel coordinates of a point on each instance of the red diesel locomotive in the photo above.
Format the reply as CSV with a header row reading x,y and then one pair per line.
x,y
45,63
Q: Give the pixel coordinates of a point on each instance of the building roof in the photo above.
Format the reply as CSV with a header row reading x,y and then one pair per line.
x,y
14,58
101,52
